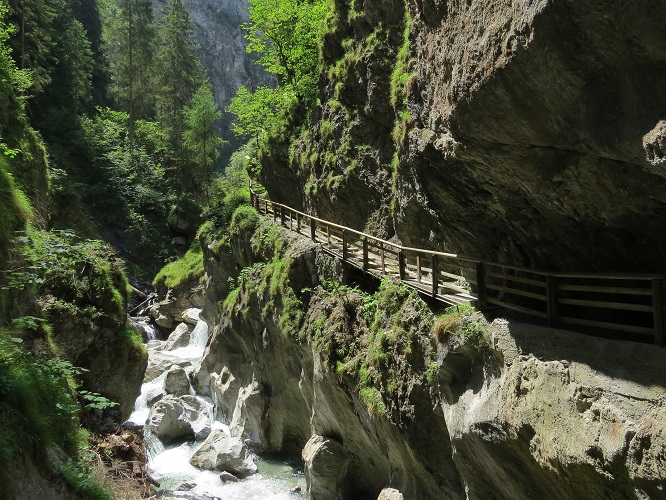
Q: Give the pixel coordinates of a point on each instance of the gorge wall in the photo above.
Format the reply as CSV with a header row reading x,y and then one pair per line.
x,y
524,132
377,393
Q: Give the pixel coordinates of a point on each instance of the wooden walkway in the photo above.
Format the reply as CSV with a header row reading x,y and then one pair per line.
x,y
629,303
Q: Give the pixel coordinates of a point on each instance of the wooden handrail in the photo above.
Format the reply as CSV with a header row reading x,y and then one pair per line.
x,y
433,281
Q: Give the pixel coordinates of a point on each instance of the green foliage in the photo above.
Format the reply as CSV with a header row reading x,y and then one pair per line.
x,y
79,476
229,192
104,182
178,70
187,268
459,320
38,407
33,47
15,210
245,219
404,67
287,34
78,271
375,340
262,112
200,136
13,81
129,38
94,401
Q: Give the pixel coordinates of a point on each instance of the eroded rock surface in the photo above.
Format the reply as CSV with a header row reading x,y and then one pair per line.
x,y
325,468
225,453
528,412
179,419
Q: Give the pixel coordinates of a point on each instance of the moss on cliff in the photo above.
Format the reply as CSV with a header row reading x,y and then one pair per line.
x,y
187,268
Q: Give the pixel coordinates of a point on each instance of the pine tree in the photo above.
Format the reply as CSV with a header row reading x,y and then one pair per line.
x,y
129,36
179,72
201,137
32,42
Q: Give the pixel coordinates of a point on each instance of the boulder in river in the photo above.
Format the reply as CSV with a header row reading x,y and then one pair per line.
x,y
176,381
180,337
225,453
179,419
326,465
159,362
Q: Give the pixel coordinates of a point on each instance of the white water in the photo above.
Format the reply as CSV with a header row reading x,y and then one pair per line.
x,y
171,466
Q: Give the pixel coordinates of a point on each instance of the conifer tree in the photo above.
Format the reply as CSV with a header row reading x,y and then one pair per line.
x,y
179,72
129,36
201,137
32,43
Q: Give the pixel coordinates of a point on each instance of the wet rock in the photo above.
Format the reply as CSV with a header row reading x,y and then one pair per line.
x,y
180,337
176,382
191,316
228,477
225,453
179,419
159,362
186,487
326,467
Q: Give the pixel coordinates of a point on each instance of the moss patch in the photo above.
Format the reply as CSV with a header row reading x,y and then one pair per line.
x,y
188,268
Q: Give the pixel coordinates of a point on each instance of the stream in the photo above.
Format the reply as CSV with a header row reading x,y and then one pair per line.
x,y
170,465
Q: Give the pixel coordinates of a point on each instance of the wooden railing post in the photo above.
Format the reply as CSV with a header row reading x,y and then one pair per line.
x,y
298,223
274,213
266,207
328,234
435,276
381,253
401,264
365,253
481,291
418,268
658,311
282,217
313,229
344,244
551,300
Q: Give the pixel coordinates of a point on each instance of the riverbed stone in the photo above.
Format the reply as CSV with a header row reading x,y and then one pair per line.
x,y
159,362
191,316
179,419
225,453
228,477
176,381
326,465
180,337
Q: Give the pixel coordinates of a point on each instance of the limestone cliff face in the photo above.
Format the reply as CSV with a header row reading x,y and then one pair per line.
x,y
528,142
532,132
536,412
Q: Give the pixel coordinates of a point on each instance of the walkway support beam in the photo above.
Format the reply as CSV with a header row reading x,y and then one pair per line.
x,y
481,291
658,311
551,300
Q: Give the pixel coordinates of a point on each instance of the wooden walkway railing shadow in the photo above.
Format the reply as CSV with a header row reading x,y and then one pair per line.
x,y
628,303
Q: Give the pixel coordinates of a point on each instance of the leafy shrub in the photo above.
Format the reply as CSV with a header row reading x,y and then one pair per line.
x,y
245,219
